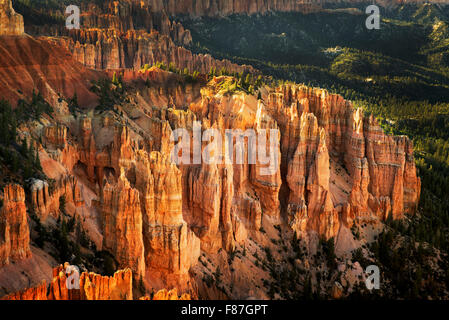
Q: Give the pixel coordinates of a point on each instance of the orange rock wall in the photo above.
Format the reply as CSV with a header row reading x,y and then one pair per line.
x,y
91,287
11,23
14,229
330,131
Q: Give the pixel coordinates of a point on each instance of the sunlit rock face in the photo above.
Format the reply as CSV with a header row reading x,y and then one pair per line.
x,y
11,23
91,286
129,34
14,229
339,163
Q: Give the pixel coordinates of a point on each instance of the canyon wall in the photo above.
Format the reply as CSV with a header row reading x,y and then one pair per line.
x,y
129,34
227,7
335,165
121,16
332,166
122,224
137,196
108,49
11,23
91,287
214,8
339,164
44,66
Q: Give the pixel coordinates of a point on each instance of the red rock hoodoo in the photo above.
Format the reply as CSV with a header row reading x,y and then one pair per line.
x,y
14,230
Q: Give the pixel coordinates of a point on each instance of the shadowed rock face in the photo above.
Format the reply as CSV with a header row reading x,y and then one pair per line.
x,y
11,23
28,64
226,7
215,8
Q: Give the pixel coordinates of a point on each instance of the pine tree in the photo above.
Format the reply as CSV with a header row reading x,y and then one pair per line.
x,y
24,148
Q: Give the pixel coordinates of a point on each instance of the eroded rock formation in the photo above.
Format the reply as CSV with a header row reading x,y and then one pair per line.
x,y
65,190
130,34
342,165
44,66
110,49
167,295
14,229
329,165
91,286
171,248
35,293
122,224
227,7
11,23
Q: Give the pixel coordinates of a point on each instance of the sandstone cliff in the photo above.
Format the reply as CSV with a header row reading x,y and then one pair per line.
x,y
341,165
11,23
109,49
14,230
130,34
170,247
91,287
49,204
35,293
122,224
167,295
140,203
332,166
42,65
335,168
334,160
227,7
121,16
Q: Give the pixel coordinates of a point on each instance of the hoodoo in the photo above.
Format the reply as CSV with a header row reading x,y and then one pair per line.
x,y
289,190
11,23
